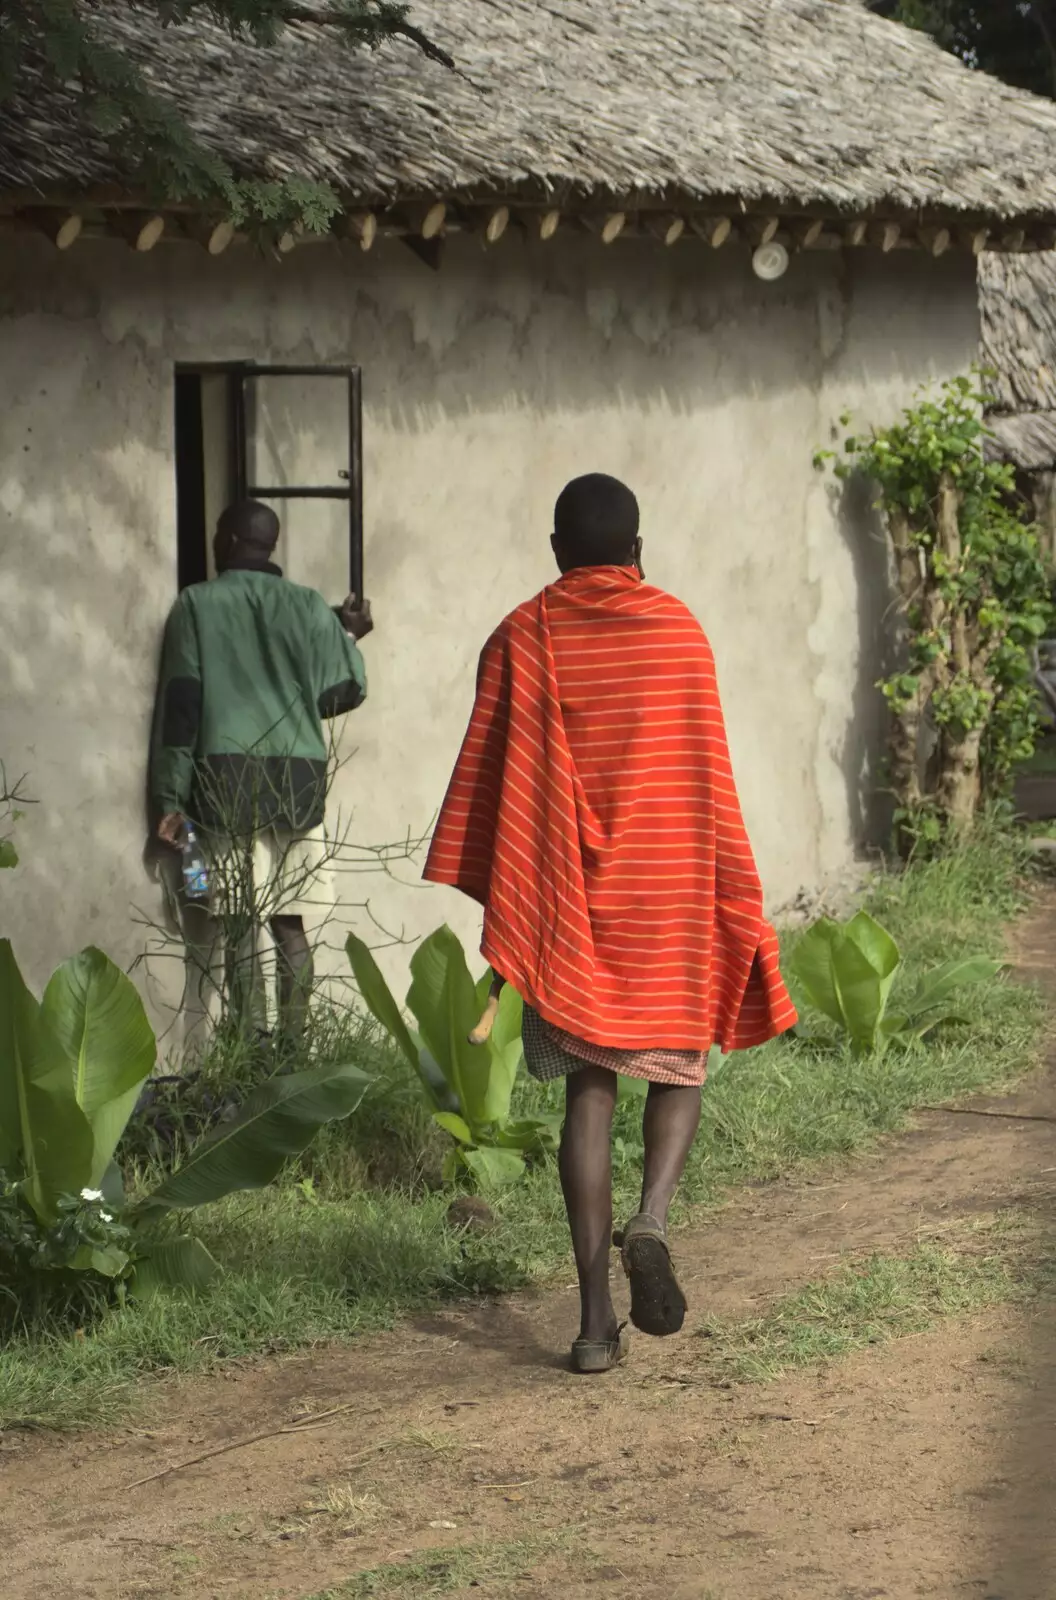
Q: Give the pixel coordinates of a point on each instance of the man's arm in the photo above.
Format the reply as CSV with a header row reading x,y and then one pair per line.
x,y
177,718
341,674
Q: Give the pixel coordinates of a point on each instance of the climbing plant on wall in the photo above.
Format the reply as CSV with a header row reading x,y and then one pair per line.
x,y
973,599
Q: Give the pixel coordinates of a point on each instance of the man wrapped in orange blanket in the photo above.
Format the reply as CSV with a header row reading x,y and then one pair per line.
x,y
593,814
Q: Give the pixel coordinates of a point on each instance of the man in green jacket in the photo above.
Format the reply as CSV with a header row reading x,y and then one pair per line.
x,y
252,665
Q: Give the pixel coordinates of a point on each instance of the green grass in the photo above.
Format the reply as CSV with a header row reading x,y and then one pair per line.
x,y
881,1298
450,1571
328,1254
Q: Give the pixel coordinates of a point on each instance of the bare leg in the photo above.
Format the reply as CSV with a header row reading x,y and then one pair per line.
x,y
295,972
585,1164
669,1126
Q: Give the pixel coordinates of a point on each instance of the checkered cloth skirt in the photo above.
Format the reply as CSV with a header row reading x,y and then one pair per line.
x,y
551,1053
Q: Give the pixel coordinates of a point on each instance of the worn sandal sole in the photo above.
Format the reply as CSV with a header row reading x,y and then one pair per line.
x,y
599,1355
658,1306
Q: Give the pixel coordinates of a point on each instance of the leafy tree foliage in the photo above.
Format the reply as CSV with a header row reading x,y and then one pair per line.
x,y
62,40
1013,39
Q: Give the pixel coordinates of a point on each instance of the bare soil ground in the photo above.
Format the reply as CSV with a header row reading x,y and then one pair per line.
x,y
922,1467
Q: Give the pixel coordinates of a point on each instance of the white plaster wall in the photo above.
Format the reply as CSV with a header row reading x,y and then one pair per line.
x,y
486,387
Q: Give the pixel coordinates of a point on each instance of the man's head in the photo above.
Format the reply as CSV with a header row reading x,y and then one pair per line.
x,y
246,531
596,524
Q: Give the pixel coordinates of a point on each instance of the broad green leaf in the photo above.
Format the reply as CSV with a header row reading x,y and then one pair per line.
x,y
443,999
484,989
533,1135
494,1169
276,1122
8,854
95,1012
379,998
875,943
862,992
939,984
812,963
508,1022
112,1184
108,1260
43,1131
455,1125
716,1061
182,1263
435,1084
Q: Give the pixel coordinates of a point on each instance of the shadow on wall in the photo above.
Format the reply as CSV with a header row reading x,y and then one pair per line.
x,y
486,387
862,759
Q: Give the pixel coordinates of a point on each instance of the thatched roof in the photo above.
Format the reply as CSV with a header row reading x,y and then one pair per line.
x,y
1017,302
804,103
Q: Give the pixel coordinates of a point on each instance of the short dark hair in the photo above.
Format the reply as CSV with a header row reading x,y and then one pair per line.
x,y
249,524
596,521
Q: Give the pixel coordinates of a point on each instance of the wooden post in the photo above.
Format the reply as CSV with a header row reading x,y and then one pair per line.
x,y
496,224
807,234
669,229
886,235
935,240
363,226
141,230
975,239
428,221
761,230
63,228
212,235
713,230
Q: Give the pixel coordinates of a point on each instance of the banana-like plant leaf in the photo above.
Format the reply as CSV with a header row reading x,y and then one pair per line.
x,y
493,1169
381,1003
276,1122
455,1125
957,974
813,963
532,1135
112,1184
443,999
378,997
181,1263
43,1131
440,1095
875,943
95,1012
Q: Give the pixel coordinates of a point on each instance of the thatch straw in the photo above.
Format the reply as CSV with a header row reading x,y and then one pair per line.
x,y
807,103
1017,303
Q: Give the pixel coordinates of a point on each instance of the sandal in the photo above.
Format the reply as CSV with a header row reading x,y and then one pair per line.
x,y
658,1305
600,1355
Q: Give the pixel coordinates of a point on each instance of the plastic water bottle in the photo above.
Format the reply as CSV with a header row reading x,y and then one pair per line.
x,y
192,865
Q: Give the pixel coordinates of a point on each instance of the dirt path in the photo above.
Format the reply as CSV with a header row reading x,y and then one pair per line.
x,y
924,1467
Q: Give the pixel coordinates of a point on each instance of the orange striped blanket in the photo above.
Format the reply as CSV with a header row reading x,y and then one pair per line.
x,y
593,814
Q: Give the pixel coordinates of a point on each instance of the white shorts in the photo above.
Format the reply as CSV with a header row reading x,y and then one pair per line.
x,y
277,874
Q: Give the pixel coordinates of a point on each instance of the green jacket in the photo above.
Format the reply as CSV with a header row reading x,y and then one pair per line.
x,y
251,666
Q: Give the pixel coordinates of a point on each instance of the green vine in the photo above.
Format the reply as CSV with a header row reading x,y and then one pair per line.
x,y
975,600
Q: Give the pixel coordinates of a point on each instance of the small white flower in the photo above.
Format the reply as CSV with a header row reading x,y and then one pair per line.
x,y
91,1194
105,1216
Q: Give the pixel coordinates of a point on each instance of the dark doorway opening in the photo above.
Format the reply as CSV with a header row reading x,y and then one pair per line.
x,y
191,528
